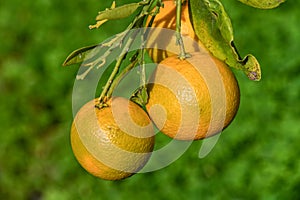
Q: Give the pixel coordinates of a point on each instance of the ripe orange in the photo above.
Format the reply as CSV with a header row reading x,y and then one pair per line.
x,y
163,42
194,98
113,142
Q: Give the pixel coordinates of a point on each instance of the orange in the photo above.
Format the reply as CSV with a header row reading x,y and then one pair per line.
x,y
161,43
113,142
194,98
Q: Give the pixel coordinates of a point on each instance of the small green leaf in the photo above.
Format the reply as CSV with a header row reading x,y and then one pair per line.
x,y
118,12
252,68
115,13
213,27
263,4
78,55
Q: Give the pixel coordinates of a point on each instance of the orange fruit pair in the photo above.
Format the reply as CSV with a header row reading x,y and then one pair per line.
x,y
189,99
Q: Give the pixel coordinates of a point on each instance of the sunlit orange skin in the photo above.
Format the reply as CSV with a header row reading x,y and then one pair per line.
x,y
186,104
108,133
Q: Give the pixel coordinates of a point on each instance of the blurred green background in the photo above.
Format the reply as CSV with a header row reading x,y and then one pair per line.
x,y
257,156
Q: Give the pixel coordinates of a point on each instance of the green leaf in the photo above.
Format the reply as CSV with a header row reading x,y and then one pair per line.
x,y
263,4
118,12
87,53
115,13
78,55
213,27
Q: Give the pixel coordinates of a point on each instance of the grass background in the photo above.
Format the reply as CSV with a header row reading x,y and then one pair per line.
x,y
257,156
